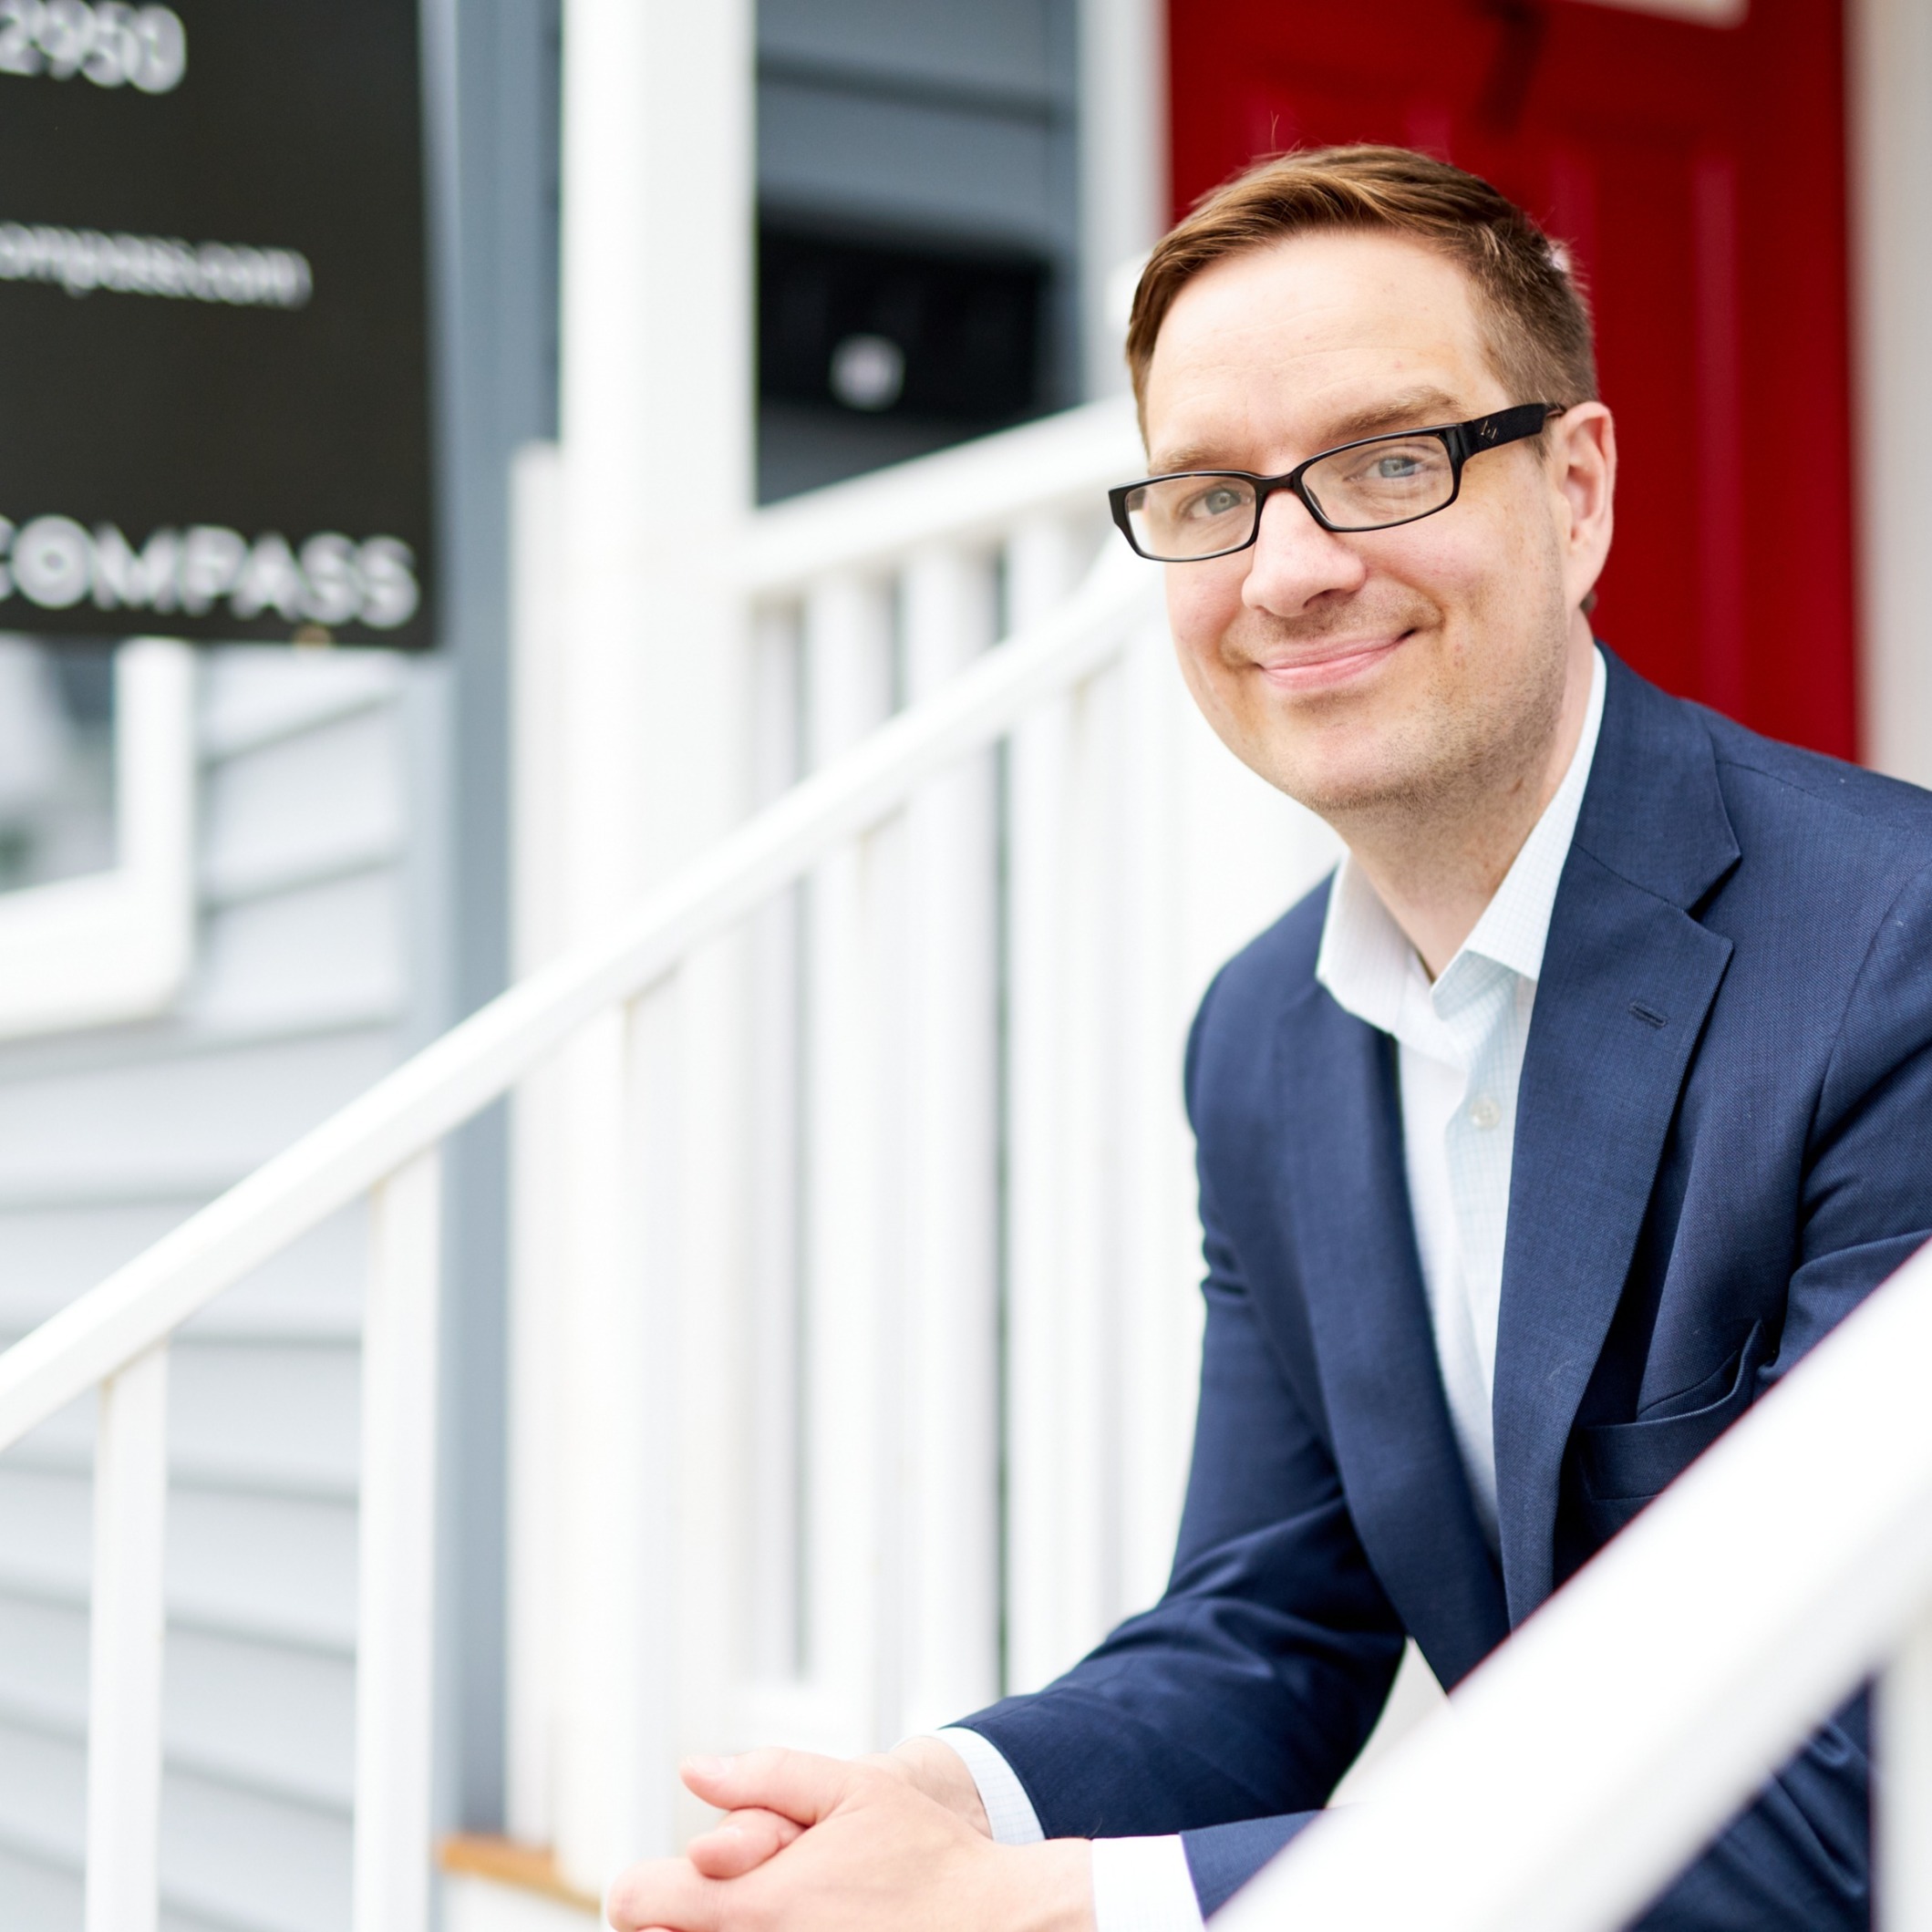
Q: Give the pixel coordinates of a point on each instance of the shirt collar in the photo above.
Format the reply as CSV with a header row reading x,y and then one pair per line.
x,y
1365,960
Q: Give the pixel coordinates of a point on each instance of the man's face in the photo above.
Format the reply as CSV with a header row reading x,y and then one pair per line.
x,y
1395,666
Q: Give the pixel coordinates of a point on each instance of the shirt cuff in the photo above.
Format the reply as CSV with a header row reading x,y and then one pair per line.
x,y
1142,1885
1009,1811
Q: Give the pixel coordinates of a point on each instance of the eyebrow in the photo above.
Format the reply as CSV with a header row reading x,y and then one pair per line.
x,y
1411,410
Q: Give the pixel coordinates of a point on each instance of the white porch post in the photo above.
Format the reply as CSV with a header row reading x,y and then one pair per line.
x,y
656,453
1890,73
1124,166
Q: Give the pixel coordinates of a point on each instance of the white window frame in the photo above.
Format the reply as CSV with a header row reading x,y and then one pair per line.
x,y
118,945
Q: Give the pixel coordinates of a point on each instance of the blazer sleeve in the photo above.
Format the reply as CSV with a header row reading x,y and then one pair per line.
x,y
1249,1688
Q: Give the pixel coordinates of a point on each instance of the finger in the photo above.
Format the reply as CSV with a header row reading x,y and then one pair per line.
x,y
741,1843
798,1784
664,1894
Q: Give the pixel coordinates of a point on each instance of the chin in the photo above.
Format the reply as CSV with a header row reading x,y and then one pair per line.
x,y
1336,780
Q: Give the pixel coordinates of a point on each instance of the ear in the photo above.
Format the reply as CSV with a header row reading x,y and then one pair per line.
x,y
1583,472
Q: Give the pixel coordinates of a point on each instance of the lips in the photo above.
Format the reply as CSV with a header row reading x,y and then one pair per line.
x,y
1337,661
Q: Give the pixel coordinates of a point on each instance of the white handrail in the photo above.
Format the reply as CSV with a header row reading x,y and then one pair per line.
x,y
1581,1768
474,1064
879,519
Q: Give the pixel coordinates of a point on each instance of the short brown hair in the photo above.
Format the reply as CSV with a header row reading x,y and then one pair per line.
x,y
1539,335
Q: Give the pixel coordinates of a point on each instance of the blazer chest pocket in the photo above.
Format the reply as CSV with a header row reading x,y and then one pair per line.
x,y
1621,1466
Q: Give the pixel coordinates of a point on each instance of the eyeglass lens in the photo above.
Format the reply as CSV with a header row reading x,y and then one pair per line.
x,y
1390,480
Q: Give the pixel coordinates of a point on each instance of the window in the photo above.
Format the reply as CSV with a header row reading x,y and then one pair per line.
x,y
97,813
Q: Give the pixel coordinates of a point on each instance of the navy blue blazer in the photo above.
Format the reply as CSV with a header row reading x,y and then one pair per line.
x,y
1723,1141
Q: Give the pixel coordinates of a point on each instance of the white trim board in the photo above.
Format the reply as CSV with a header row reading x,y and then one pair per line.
x,y
1889,116
116,944
1702,13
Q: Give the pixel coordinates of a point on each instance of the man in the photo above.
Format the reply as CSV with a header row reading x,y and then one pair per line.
x,y
1601,973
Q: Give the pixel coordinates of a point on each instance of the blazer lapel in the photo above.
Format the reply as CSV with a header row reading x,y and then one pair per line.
x,y
1628,978
1345,1203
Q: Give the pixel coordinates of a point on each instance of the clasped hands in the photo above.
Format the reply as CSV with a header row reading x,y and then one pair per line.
x,y
897,1843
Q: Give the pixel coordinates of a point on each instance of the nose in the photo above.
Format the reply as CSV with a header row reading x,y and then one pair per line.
x,y
1294,561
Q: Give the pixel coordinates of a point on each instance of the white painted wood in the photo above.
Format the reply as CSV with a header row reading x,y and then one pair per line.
x,y
1086,1374
1702,13
976,493
655,420
1049,1525
1902,1790
124,1693
1693,1656
394,1670
1889,62
852,1188
541,1149
701,1581
1124,192
540,751
616,1750
116,946
1157,1312
477,1061
947,1493
774,1637
656,413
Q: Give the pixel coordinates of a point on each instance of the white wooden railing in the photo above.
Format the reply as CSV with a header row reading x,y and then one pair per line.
x,y
1580,1769
925,1108
879,886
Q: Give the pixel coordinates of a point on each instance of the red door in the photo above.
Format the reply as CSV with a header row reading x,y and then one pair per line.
x,y
1698,175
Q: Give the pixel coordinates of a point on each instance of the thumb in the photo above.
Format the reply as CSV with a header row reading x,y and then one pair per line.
x,y
797,1784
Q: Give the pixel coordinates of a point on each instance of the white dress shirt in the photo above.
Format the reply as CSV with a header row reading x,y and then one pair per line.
x,y
1459,1052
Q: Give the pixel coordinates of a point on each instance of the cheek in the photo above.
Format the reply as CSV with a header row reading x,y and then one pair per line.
x,y
1480,581
1203,601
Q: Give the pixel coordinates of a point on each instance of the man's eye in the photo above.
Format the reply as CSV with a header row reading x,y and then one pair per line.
x,y
1395,469
1221,500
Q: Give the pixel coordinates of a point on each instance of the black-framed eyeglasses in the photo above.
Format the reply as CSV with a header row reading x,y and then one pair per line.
x,y
1373,483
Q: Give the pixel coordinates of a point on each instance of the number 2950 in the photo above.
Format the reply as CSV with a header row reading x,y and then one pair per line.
x,y
108,43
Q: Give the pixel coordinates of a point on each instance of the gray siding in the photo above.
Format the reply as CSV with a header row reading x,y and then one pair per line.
x,y
927,120
301,997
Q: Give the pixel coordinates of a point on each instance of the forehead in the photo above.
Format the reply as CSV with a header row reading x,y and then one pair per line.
x,y
1279,351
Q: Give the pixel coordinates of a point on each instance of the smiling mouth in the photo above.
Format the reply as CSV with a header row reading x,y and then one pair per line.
x,y
1322,666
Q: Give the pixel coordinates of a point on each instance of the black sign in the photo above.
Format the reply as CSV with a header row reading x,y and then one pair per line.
x,y
214,415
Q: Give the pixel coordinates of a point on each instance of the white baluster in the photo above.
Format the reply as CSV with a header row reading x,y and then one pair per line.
x,y
1094,1045
774,1370
1159,1311
124,1688
616,1796
1056,1382
702,1344
396,1596
849,1194
949,1492
1902,1800
539,1150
